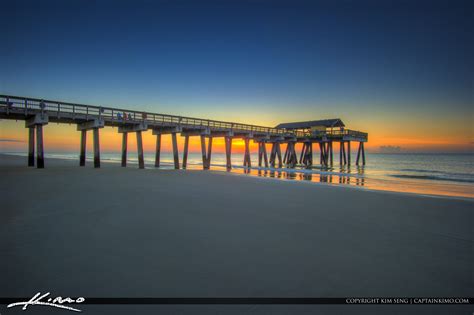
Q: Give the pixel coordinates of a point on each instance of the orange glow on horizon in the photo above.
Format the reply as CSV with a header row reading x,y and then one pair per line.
x,y
60,137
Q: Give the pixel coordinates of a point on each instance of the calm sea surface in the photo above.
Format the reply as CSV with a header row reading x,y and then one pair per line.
x,y
434,174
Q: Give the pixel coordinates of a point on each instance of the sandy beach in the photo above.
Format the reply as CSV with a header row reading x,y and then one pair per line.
x,y
125,232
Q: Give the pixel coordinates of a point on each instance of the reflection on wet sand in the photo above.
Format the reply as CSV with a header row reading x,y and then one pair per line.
x,y
345,176
356,176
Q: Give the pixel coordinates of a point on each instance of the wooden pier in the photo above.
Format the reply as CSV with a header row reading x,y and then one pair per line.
x,y
311,134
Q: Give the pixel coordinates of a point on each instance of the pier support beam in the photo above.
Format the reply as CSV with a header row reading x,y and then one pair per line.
x,y
358,153
331,154
185,151
141,160
348,153
278,152
206,154
262,154
247,161
36,122
82,155
341,149
138,128
321,153
291,157
203,152
124,148
93,125
265,156
96,148
209,152
273,154
363,153
303,152
31,146
158,149
323,147
228,152
307,154
343,157
39,147
175,150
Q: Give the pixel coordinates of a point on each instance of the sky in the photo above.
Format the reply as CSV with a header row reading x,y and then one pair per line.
x,y
402,71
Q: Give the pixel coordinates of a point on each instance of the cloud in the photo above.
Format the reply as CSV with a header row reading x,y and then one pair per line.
x,y
390,149
10,140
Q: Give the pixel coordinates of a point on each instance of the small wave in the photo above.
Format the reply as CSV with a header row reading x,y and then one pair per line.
x,y
431,171
428,177
421,171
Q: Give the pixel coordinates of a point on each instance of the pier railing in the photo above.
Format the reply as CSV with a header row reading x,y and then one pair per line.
x,y
347,132
124,115
59,109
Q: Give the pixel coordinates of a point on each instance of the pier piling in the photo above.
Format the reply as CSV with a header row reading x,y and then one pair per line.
x,y
331,154
82,155
203,151
141,161
358,153
31,146
175,150
228,152
265,157
124,148
247,161
278,149
340,153
348,153
96,148
185,151
157,150
39,146
363,153
209,152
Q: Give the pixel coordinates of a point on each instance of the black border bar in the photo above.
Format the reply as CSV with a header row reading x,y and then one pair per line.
x,y
265,300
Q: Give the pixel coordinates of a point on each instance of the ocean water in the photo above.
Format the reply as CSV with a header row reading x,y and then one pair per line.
x,y
427,174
